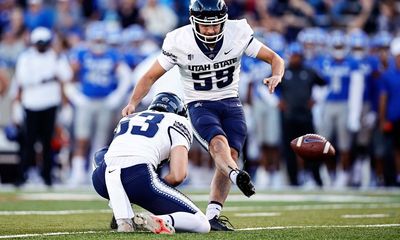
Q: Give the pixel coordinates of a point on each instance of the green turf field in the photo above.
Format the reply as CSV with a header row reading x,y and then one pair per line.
x,y
290,214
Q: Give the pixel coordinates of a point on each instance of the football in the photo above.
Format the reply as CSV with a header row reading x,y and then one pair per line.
x,y
313,147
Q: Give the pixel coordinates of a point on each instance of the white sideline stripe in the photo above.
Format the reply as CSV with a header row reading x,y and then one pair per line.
x,y
260,214
378,215
314,207
320,226
47,234
60,212
240,229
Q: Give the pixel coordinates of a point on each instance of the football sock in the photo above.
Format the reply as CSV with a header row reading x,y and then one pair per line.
x,y
187,222
233,175
213,209
119,201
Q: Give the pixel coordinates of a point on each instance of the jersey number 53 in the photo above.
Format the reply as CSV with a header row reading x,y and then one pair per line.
x,y
148,129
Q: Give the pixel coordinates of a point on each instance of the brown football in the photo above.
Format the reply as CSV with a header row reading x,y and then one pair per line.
x,y
313,147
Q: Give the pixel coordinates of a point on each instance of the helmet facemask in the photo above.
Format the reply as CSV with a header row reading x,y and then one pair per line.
x,y
208,21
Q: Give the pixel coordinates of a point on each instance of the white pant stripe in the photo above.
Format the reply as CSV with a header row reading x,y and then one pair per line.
x,y
169,191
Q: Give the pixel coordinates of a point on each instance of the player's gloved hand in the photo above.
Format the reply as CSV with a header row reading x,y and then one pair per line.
x,y
130,108
272,82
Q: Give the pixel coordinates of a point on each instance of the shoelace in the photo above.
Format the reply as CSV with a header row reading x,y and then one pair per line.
x,y
225,220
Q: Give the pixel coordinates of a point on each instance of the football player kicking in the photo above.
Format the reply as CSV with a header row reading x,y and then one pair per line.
x,y
208,53
126,172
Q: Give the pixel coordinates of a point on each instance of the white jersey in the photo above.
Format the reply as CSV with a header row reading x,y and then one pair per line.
x,y
209,74
147,137
38,74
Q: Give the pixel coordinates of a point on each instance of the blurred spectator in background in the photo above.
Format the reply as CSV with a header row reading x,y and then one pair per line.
x,y
4,79
137,45
90,9
389,113
381,49
314,44
40,74
12,44
158,19
236,8
368,65
103,81
380,44
296,103
342,109
181,8
389,18
288,16
39,15
351,13
128,12
67,17
6,7
14,39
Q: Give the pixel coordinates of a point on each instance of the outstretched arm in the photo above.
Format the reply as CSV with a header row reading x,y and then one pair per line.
x,y
143,86
278,66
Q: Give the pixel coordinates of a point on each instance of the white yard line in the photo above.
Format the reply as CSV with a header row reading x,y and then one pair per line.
x,y
313,207
60,212
258,214
320,226
377,215
240,229
47,234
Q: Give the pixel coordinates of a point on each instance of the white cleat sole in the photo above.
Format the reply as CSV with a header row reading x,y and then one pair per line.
x,y
153,224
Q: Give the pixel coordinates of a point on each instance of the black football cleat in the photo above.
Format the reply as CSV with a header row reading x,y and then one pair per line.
x,y
244,183
220,224
113,223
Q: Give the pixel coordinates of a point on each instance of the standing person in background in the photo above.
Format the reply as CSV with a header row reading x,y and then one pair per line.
x,y
342,108
104,80
359,47
380,49
40,75
208,53
389,105
296,104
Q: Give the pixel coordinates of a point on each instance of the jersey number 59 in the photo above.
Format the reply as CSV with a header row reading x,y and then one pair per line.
x,y
207,79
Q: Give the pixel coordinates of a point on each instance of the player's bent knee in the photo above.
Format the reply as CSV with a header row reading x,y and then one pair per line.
x,y
203,224
218,144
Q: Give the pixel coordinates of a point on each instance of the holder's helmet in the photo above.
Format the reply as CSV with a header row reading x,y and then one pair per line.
x,y
208,12
168,102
